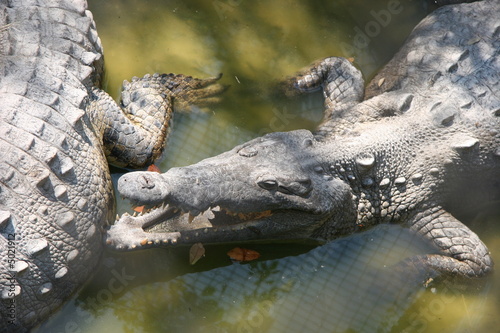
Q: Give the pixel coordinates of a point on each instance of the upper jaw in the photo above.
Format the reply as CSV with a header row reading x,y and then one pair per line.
x,y
196,191
191,193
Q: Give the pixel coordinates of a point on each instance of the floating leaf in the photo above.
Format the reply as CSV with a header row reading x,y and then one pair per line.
x,y
241,254
154,168
196,252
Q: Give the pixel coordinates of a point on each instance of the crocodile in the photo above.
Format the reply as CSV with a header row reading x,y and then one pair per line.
x,y
419,145
58,131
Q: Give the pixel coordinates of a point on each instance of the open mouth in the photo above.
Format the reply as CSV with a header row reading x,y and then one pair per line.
x,y
174,220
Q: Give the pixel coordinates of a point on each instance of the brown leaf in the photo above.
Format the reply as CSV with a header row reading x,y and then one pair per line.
x,y
139,209
241,254
154,168
196,252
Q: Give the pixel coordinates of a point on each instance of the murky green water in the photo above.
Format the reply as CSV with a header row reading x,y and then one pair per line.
x,y
349,285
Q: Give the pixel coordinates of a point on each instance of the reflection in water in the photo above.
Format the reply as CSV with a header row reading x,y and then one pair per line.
x,y
349,285
321,290
354,284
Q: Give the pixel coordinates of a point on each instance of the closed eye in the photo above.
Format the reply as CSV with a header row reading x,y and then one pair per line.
x,y
268,184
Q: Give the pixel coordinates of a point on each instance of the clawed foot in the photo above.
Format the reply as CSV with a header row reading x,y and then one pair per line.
x,y
335,75
190,91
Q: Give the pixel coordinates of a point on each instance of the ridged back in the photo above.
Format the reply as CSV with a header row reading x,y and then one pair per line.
x,y
55,189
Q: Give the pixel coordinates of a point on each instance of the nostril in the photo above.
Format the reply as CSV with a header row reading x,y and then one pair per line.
x,y
146,182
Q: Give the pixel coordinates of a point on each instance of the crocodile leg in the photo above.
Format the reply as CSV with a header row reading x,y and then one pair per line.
x,y
463,254
135,131
342,84
343,90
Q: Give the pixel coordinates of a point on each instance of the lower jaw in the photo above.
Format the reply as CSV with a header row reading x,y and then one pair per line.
x,y
204,231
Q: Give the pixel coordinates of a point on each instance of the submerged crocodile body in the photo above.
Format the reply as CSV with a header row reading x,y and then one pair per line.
x,y
56,130
419,143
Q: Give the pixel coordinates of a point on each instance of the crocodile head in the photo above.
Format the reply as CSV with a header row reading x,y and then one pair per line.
x,y
271,187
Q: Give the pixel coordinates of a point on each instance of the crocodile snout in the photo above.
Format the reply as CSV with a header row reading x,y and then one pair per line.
x,y
142,187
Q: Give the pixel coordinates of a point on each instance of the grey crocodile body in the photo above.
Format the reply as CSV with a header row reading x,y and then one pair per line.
x,y
57,130
415,146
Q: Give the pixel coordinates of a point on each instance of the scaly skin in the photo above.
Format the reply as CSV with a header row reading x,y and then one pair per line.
x,y
422,142
56,128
